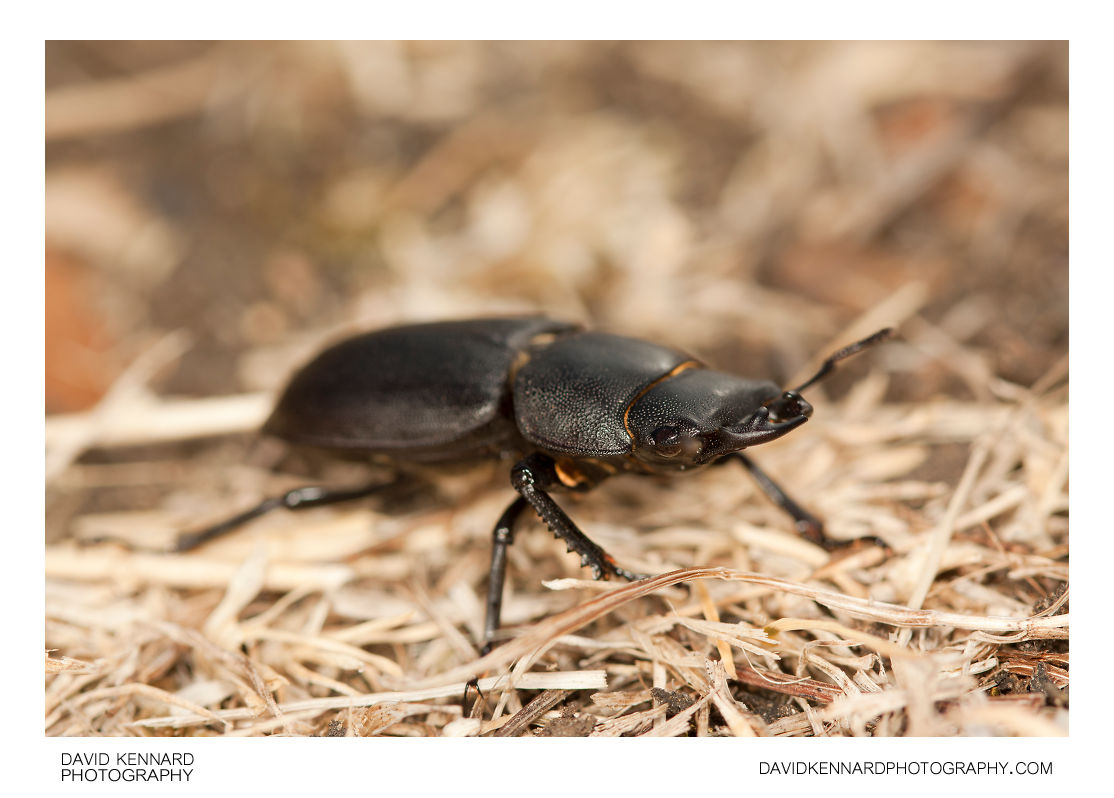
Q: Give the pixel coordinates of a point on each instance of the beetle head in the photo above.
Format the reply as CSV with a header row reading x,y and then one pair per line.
x,y
700,415
697,415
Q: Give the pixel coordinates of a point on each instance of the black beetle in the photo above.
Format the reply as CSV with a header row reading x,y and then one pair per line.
x,y
571,407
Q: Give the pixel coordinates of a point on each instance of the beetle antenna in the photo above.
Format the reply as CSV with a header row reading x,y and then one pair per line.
x,y
828,365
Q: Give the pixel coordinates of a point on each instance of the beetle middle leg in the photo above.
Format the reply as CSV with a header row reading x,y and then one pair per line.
x,y
502,537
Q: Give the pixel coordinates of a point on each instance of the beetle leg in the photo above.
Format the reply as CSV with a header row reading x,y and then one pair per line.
x,y
530,478
502,537
808,525
297,499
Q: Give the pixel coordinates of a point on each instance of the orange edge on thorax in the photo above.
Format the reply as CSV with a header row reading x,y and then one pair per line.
x,y
688,364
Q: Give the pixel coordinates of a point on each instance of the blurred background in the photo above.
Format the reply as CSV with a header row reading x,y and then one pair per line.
x,y
746,201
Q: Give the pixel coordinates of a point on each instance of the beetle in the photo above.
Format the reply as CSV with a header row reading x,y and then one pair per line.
x,y
569,407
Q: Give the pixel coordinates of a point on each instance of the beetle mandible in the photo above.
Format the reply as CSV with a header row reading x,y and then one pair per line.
x,y
571,407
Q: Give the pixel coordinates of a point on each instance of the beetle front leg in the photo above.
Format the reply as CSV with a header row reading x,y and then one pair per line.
x,y
530,478
808,525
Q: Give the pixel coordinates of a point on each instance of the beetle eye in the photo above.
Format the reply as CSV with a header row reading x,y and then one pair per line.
x,y
667,441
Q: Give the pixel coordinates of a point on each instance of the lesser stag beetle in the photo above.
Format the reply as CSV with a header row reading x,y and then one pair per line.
x,y
570,407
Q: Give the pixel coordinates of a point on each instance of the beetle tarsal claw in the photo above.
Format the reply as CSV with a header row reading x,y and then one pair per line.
x,y
630,576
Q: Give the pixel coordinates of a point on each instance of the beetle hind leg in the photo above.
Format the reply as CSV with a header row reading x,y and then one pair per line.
x,y
296,499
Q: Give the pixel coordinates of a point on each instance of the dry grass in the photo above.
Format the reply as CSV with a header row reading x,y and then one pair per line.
x,y
821,192
354,617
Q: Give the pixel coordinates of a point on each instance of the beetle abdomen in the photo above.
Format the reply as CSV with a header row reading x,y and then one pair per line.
x,y
572,395
436,387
